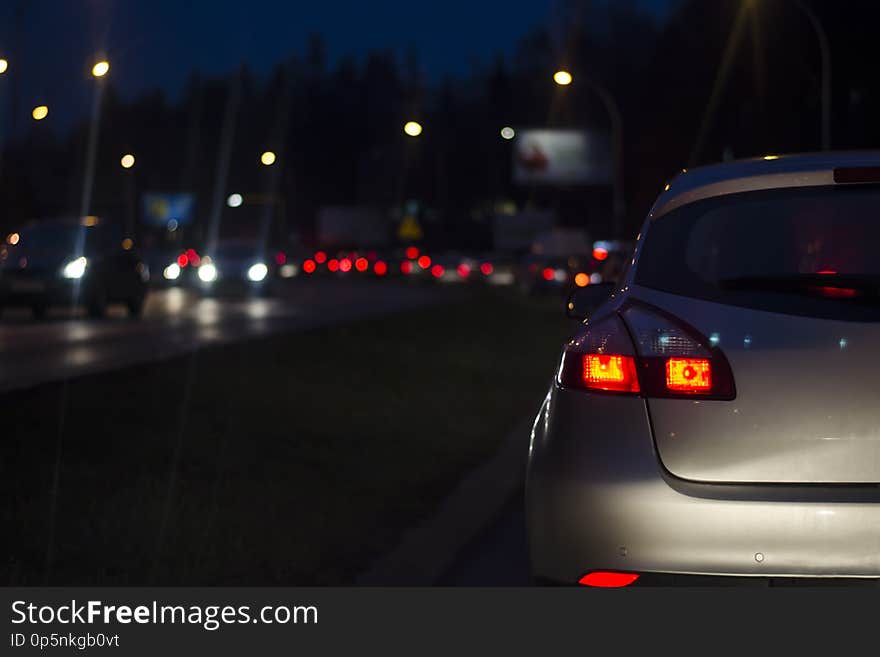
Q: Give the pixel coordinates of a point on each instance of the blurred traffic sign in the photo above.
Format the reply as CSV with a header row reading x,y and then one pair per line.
x,y
166,210
409,229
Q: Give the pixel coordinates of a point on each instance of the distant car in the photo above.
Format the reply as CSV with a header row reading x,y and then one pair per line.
x,y
718,415
72,263
236,266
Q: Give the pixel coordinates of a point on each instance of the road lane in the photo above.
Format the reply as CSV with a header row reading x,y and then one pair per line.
x,y
176,321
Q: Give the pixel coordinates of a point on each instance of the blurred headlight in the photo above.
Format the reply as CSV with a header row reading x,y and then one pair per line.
x,y
75,268
207,273
290,270
257,272
172,272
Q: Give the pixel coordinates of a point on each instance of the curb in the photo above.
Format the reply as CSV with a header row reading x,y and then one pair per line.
x,y
429,550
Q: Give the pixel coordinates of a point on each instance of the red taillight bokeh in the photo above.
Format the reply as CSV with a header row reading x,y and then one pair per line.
x,y
464,270
610,372
361,264
406,267
424,262
412,252
608,579
345,265
309,266
437,271
689,374
182,260
380,268
280,258
600,254
320,257
333,265
548,274
486,268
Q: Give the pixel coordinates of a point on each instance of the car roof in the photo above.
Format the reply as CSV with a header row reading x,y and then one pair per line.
x,y
767,172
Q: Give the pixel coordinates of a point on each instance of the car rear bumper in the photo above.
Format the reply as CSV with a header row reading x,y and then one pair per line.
x,y
599,499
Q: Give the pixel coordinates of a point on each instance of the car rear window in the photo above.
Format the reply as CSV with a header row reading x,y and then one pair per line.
x,y
798,234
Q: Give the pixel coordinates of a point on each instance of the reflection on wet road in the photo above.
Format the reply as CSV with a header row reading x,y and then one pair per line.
x,y
176,321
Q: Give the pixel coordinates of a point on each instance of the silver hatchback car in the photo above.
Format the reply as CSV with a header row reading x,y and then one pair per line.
x,y
717,418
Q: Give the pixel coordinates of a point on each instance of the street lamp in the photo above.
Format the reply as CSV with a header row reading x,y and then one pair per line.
x,y
127,161
413,128
40,112
268,158
507,132
562,78
100,69
4,65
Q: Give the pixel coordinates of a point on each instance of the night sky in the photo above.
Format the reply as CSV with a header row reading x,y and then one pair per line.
x,y
158,43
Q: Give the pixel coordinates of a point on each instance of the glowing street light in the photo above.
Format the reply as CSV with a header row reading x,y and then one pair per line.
x,y
413,128
40,112
4,65
127,161
507,132
234,200
268,158
562,78
101,69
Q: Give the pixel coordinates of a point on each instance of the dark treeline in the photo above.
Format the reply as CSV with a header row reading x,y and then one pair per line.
x,y
716,79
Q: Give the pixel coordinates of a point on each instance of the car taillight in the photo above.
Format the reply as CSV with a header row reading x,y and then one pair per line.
x,y
645,351
674,359
601,359
610,372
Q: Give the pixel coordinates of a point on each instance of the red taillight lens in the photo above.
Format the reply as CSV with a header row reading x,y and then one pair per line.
x,y
333,265
380,268
361,264
182,260
608,579
689,374
610,372
320,257
309,266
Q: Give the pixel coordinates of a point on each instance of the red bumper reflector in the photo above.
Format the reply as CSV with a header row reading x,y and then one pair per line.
x,y
608,580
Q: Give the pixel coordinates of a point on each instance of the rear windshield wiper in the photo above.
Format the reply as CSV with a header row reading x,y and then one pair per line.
x,y
835,286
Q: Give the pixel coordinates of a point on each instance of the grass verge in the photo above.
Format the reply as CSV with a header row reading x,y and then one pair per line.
x,y
292,460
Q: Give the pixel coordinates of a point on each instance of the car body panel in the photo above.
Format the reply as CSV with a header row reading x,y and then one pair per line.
x,y
597,498
806,410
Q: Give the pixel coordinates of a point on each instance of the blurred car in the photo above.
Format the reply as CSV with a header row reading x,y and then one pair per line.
x,y
72,262
553,261
238,265
717,415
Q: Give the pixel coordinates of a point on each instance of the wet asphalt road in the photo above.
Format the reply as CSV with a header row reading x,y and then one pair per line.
x,y
176,321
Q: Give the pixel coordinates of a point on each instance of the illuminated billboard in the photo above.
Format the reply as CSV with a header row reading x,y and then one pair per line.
x,y
561,157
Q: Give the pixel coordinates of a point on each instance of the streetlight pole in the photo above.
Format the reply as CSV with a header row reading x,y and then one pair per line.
x,y
613,109
825,53
99,70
